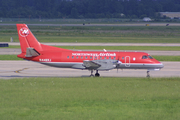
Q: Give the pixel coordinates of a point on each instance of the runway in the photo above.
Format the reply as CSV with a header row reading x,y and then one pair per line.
x,y
26,69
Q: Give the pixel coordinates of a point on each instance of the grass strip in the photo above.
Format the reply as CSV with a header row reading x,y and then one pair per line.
x,y
90,98
9,57
167,58
104,34
98,38
160,48
159,58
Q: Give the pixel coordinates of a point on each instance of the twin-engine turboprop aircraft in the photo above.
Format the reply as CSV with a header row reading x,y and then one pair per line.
x,y
91,60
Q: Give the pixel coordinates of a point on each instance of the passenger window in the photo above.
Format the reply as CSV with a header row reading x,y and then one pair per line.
x,y
109,57
76,57
114,58
104,57
68,57
91,57
144,57
100,57
81,57
123,58
95,57
86,57
72,57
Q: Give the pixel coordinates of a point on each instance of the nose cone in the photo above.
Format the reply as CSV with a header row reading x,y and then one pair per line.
x,y
160,65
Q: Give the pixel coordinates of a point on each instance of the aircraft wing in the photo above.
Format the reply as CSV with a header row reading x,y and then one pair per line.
x,y
101,64
90,64
31,52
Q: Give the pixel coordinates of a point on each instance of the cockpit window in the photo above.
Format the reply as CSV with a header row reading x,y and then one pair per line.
x,y
150,57
144,57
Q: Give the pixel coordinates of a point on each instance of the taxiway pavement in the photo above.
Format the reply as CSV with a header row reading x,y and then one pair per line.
x,y
26,69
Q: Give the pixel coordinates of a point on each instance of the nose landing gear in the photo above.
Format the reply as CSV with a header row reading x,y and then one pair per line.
x,y
148,74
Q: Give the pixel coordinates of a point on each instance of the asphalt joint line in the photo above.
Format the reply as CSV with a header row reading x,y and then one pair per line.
x,y
18,71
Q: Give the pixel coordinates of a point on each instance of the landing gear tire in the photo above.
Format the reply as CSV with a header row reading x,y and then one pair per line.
x,y
97,74
148,75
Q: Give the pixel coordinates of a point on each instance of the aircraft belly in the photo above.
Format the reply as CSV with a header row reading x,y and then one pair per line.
x,y
121,66
141,66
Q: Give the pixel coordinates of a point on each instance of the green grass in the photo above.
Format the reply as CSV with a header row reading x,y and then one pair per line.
x,y
167,58
93,39
9,57
134,48
122,34
159,58
90,99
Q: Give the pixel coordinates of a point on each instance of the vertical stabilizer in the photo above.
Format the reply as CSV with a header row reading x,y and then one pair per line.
x,y
27,39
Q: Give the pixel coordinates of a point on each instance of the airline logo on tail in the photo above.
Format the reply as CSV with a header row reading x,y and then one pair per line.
x,y
24,32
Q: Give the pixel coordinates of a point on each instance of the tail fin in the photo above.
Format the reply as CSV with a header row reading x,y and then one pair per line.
x,y
29,44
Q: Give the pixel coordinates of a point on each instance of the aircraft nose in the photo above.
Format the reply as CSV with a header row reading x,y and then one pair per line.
x,y
161,65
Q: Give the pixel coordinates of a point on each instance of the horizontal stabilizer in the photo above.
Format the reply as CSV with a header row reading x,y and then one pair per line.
x,y
31,52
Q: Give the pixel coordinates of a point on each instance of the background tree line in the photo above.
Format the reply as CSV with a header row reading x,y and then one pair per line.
x,y
86,8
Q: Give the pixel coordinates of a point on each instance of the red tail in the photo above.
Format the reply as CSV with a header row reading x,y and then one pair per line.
x,y
27,39
30,46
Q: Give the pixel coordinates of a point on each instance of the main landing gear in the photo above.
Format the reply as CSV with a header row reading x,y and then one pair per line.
x,y
96,75
148,75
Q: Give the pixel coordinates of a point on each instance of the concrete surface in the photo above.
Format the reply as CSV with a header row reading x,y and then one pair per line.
x,y
23,69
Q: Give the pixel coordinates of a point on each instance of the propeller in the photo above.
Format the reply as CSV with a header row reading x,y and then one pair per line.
x,y
118,63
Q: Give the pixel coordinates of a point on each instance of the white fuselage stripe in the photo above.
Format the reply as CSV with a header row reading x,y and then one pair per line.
x,y
121,63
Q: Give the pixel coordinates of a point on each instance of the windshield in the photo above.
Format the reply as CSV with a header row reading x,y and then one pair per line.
x,y
146,57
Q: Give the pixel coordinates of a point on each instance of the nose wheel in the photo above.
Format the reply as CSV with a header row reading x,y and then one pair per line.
x,y
148,74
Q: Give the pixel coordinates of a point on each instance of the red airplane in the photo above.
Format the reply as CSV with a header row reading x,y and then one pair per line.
x,y
91,60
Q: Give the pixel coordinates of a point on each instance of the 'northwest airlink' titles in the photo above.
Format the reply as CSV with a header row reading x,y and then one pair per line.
x,y
93,54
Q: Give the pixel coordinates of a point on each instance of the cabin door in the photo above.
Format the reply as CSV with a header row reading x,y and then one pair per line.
x,y
127,61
